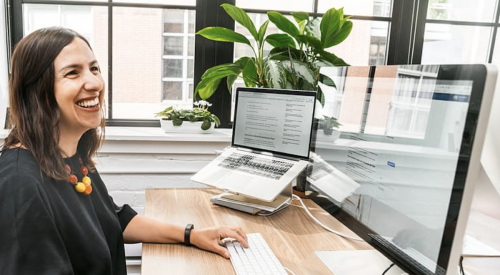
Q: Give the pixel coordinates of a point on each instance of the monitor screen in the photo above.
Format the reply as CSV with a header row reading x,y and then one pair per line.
x,y
397,176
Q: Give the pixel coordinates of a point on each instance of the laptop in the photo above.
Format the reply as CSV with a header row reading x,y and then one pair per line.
x,y
270,145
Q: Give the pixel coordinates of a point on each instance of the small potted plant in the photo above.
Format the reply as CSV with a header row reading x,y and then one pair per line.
x,y
329,126
198,119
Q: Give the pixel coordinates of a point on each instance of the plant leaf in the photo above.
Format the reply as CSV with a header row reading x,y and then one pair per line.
x,y
301,70
262,32
241,17
324,79
330,23
321,96
222,70
313,28
223,35
206,87
250,76
274,74
283,23
278,40
342,34
332,58
242,62
300,16
311,41
206,124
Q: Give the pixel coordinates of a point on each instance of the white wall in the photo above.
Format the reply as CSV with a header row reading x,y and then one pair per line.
x,y
3,66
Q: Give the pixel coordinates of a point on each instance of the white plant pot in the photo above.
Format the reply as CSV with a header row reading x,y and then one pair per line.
x,y
186,127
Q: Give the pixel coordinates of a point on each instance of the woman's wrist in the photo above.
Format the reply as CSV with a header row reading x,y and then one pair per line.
x,y
188,234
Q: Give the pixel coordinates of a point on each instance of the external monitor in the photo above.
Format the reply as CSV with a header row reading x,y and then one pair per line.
x,y
407,158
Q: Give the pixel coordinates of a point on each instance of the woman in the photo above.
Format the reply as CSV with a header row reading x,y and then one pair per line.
x,y
56,216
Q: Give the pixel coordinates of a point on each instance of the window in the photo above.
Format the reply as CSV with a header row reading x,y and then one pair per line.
x,y
155,59
178,57
457,31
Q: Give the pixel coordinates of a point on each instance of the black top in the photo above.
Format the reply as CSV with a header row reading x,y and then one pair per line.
x,y
46,227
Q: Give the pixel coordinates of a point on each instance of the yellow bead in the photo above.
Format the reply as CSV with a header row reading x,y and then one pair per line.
x,y
80,187
86,180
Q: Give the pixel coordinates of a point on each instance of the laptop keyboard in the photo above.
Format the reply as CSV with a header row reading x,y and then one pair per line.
x,y
258,258
260,166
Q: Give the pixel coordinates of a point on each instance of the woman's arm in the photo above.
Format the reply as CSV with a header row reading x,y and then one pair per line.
x,y
147,230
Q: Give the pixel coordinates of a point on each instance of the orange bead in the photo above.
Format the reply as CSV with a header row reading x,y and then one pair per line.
x,y
80,187
73,179
88,189
84,170
86,180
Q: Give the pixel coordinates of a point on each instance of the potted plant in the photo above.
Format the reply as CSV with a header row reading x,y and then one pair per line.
x,y
295,59
198,119
326,129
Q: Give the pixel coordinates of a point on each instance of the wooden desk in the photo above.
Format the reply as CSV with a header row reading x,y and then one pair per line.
x,y
291,234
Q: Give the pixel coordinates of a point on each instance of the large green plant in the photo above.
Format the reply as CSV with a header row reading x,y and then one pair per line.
x,y
295,58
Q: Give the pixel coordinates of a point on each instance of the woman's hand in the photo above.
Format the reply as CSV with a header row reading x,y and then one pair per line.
x,y
211,238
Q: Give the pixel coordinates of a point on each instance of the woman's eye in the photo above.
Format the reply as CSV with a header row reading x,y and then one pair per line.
x,y
71,73
95,69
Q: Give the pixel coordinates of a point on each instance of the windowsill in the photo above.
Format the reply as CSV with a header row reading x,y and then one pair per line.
x,y
155,134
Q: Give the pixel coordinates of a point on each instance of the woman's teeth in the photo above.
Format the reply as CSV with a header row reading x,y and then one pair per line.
x,y
88,103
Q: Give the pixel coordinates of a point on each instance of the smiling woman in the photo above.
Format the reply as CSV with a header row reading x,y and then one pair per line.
x,y
56,216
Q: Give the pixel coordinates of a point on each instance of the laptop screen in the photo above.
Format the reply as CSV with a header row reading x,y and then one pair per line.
x,y
274,121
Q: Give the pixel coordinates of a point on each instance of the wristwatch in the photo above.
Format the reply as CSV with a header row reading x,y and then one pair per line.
x,y
187,234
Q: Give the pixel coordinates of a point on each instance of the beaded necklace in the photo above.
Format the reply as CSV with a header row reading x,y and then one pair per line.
x,y
80,186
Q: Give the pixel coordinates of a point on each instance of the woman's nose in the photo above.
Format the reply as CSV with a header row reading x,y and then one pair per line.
x,y
93,82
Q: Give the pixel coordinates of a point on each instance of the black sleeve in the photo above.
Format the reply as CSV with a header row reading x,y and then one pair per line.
x,y
125,214
29,240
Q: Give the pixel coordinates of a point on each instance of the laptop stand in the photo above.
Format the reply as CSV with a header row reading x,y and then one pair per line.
x,y
255,206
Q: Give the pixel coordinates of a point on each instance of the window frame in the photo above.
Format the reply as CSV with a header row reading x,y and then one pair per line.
x,y
406,38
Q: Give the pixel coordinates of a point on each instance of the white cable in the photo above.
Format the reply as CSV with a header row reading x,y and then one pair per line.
x,y
324,226
289,271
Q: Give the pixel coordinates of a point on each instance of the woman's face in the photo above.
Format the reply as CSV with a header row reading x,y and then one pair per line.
x,y
78,87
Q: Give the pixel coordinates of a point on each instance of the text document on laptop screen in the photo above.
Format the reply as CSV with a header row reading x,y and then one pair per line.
x,y
275,121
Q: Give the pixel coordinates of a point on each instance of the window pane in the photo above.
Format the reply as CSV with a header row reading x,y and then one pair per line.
x,y
172,67
190,69
190,45
280,5
359,7
164,2
173,21
191,21
446,44
366,45
173,45
461,10
137,63
172,90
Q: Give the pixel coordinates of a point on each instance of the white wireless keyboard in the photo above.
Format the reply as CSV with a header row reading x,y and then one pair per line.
x,y
258,258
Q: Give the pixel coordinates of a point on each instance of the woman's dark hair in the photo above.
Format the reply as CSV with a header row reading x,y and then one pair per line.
x,y
34,112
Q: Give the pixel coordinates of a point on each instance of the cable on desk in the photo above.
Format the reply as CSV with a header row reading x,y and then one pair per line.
x,y
461,265
289,271
324,226
387,269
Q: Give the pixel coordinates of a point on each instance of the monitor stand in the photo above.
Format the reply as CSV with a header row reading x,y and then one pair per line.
x,y
255,206
357,262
